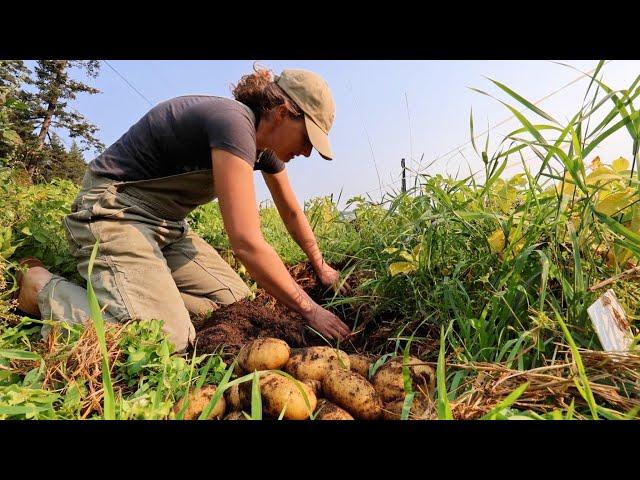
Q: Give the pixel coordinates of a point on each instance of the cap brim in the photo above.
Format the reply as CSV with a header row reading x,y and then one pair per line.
x,y
319,139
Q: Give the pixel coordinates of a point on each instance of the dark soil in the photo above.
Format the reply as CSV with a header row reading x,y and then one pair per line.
x,y
231,326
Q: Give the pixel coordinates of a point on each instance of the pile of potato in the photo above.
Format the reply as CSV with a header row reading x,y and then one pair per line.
x,y
327,384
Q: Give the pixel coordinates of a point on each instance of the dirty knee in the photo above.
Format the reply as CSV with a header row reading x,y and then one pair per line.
x,y
240,292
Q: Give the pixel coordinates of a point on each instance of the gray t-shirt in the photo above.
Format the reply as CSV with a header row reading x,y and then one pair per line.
x,y
177,135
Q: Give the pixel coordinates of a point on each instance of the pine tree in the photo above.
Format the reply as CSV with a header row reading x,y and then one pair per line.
x,y
13,73
48,108
62,164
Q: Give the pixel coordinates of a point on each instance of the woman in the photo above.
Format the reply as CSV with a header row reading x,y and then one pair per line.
x,y
183,153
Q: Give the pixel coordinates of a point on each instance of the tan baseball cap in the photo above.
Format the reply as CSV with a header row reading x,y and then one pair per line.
x,y
311,93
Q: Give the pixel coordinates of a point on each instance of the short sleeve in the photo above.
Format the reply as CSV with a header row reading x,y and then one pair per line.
x,y
231,130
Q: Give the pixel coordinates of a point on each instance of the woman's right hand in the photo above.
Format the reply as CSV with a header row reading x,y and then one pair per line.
x,y
237,202
325,322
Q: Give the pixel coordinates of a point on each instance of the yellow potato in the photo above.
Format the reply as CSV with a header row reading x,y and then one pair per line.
x,y
277,392
314,362
360,364
198,400
329,411
264,354
389,382
352,392
393,410
232,398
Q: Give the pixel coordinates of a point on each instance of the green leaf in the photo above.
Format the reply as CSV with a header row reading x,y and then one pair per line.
x,y
444,409
222,386
583,387
256,398
579,286
618,228
473,141
98,322
12,137
19,355
524,101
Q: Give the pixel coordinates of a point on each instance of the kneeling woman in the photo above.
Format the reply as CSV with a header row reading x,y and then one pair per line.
x,y
183,153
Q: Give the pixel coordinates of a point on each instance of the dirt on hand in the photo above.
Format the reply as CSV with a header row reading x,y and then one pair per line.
x,y
231,326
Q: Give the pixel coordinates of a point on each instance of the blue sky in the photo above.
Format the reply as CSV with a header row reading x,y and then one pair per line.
x,y
385,110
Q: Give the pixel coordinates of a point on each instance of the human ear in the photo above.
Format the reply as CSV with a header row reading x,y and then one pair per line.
x,y
283,113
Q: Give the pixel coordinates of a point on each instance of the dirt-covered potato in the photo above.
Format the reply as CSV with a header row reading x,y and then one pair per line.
x,y
314,362
277,392
389,382
352,392
264,354
330,411
232,398
393,410
237,415
360,364
198,400
314,385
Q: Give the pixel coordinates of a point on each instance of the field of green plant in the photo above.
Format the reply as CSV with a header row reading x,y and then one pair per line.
x,y
487,277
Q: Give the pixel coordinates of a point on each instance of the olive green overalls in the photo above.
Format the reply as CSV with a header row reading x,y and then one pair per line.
x,y
150,265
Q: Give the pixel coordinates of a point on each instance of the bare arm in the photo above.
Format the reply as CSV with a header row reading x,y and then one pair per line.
x,y
298,226
236,196
293,216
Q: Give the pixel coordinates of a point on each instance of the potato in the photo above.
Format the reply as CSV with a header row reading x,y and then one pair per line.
x,y
314,362
198,400
264,354
360,364
237,415
393,410
330,411
232,398
352,392
315,385
278,391
389,382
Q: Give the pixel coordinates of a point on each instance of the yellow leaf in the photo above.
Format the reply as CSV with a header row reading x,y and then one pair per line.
x,y
517,247
602,174
567,187
496,241
615,202
407,256
624,255
401,267
390,250
620,164
518,179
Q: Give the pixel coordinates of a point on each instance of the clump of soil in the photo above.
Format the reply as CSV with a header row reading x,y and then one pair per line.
x,y
234,325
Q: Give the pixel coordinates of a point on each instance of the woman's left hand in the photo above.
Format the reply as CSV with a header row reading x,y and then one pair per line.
x,y
330,278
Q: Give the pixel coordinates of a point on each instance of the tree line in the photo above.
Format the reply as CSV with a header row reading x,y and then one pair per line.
x,y
34,106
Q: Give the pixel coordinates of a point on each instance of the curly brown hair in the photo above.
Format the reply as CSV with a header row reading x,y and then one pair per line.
x,y
259,92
